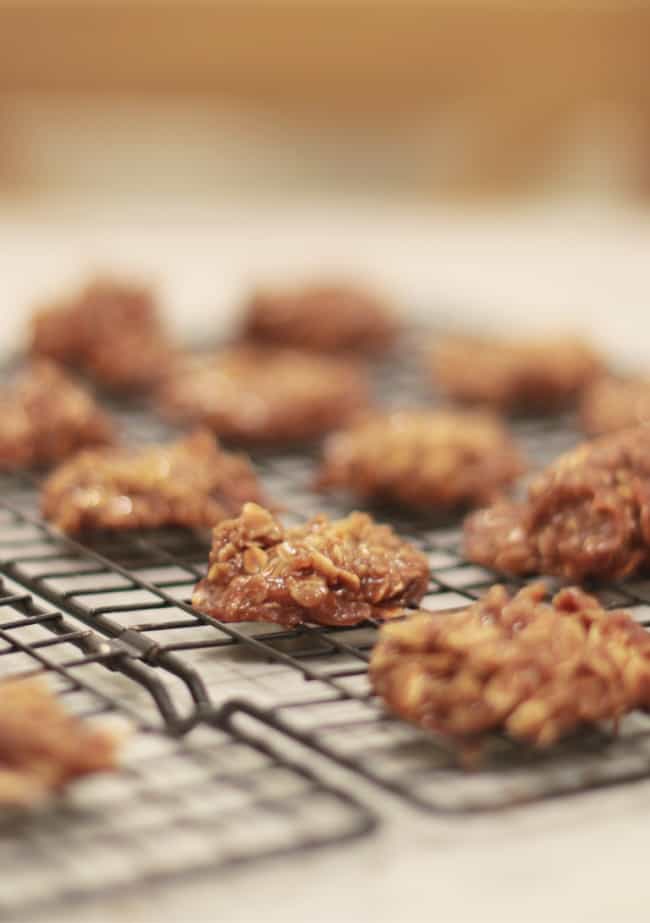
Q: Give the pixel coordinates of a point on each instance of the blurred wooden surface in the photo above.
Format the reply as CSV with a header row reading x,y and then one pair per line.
x,y
361,53
519,76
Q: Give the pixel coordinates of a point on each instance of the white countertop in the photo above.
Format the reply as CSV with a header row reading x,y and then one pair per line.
x,y
579,860
529,268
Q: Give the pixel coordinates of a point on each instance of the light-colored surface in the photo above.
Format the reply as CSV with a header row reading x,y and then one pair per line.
x,y
573,860
569,861
582,268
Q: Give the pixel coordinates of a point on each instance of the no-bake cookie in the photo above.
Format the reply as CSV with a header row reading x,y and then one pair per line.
x,y
45,416
191,482
610,404
325,572
586,515
42,747
541,375
111,331
422,459
257,394
516,664
327,318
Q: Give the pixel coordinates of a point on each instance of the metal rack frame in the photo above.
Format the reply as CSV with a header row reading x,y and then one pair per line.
x,y
308,682
185,797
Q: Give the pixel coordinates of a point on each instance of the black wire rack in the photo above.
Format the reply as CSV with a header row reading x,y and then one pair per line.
x,y
211,798
310,683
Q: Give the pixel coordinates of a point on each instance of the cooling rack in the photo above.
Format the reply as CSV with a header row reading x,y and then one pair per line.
x,y
308,683
211,798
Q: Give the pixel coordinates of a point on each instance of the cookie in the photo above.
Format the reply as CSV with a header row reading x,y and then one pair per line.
x,y
324,318
191,482
42,747
515,664
323,572
259,395
540,375
425,460
45,416
610,404
109,330
586,516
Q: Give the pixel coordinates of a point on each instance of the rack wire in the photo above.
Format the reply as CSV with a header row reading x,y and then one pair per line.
x,y
309,683
212,798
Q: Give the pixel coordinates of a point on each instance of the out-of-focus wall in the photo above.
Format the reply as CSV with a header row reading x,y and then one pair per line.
x,y
428,96
510,269
213,144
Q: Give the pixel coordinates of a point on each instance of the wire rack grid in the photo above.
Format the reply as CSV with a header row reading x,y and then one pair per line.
x,y
310,682
212,798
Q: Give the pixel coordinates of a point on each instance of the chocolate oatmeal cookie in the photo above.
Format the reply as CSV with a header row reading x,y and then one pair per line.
x,y
45,416
323,572
192,483
423,459
534,670
111,331
610,404
42,747
538,375
325,318
586,515
257,394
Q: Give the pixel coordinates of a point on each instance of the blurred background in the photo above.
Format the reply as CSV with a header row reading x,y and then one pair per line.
x,y
482,159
